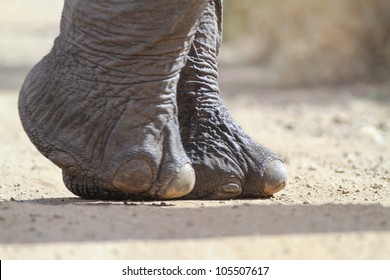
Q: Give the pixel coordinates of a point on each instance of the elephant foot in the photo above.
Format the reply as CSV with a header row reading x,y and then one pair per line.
x,y
116,144
92,189
227,162
102,104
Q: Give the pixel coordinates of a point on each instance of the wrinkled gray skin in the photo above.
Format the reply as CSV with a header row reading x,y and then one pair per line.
x,y
127,105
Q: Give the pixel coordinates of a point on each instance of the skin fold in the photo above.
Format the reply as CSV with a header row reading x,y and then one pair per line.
x,y
127,105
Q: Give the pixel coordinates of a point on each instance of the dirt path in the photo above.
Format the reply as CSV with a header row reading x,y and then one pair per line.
x,y
335,142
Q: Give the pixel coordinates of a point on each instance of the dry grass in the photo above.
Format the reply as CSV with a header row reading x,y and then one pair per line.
x,y
313,42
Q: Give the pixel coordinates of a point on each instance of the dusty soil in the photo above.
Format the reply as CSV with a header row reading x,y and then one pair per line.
x,y
335,141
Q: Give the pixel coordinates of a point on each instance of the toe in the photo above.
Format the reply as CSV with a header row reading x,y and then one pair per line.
x,y
135,176
182,184
275,177
231,188
228,191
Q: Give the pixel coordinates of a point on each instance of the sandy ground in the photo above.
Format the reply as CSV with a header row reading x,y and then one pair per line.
x,y
335,141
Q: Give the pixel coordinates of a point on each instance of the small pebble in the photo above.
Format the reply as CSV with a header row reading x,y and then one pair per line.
x,y
376,186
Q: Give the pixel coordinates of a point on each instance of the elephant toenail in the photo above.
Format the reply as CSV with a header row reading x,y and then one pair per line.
x,y
275,177
182,184
231,188
134,176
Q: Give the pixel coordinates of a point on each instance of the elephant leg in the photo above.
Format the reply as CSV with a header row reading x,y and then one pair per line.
x,y
227,162
102,104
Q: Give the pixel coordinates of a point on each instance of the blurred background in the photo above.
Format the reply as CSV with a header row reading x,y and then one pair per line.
x,y
300,42
27,32
311,42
